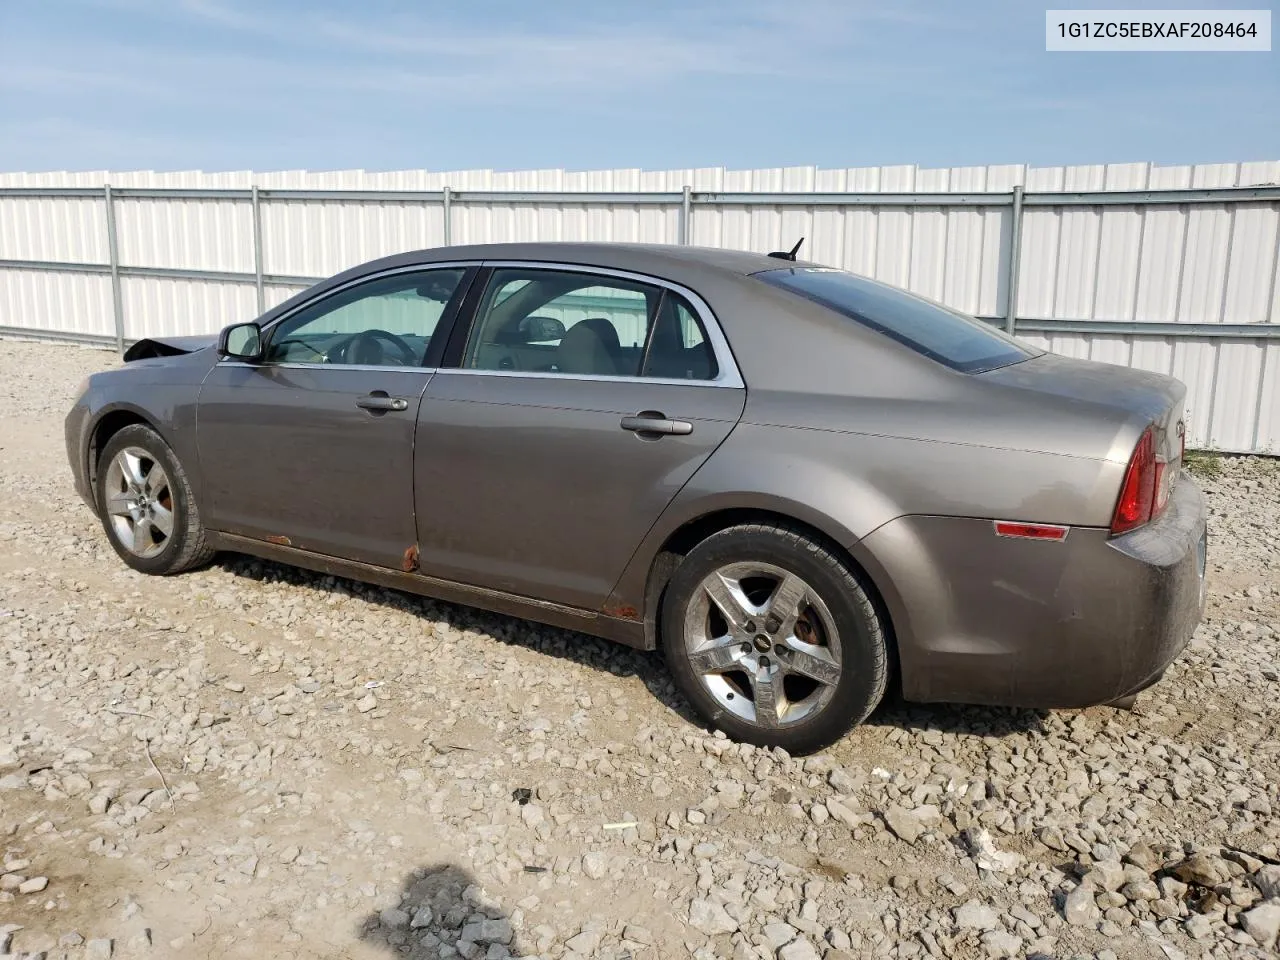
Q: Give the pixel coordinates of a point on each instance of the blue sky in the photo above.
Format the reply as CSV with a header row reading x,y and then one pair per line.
x,y
505,84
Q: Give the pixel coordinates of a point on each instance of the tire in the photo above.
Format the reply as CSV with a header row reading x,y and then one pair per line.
x,y
136,504
831,667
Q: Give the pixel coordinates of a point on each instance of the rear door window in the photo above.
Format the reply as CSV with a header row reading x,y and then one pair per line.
x,y
948,336
551,321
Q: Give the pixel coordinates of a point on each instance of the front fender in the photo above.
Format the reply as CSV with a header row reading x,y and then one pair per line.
x,y
160,392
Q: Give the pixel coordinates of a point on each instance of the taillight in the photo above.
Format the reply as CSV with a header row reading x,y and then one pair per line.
x,y
1138,492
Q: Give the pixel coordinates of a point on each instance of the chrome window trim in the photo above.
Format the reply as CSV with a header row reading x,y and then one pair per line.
x,y
590,377
366,367
727,373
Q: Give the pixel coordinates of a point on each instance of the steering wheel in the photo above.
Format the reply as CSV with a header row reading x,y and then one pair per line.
x,y
408,356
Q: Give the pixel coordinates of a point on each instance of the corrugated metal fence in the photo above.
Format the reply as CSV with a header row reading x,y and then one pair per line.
x,y
1164,268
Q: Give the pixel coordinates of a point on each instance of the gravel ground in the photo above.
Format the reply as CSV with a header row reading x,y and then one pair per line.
x,y
252,761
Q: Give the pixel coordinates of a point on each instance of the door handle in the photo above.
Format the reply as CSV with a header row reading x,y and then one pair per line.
x,y
380,402
655,424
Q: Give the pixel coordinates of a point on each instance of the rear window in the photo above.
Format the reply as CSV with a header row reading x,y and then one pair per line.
x,y
960,341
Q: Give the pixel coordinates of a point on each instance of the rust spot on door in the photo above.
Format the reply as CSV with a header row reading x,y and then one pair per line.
x,y
410,561
623,612
282,541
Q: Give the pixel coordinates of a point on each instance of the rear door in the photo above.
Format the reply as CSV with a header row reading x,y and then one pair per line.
x,y
581,403
313,446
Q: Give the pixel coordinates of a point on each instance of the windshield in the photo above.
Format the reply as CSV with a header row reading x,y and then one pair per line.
x,y
960,341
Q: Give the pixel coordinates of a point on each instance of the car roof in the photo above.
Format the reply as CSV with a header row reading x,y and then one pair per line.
x,y
643,257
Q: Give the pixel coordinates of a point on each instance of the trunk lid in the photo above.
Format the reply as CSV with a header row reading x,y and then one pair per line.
x,y
1136,397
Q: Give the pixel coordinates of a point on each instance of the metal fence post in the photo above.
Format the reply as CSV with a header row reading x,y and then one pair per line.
x,y
113,255
257,249
447,200
1015,262
686,215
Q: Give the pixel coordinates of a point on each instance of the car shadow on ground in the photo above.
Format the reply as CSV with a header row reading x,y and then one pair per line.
x,y
441,906
647,666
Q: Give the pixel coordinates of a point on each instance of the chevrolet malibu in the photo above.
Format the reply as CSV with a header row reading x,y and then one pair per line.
x,y
799,483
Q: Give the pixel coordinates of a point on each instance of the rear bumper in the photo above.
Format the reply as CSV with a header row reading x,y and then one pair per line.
x,y
1092,619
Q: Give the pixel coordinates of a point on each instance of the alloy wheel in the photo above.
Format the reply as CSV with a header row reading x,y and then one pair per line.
x,y
762,643
139,502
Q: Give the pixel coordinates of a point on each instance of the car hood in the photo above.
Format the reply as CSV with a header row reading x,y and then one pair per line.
x,y
168,346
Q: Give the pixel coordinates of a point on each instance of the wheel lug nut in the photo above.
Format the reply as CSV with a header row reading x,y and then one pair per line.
x,y
750,626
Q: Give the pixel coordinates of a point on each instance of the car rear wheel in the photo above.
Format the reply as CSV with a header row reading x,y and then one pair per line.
x,y
773,638
146,504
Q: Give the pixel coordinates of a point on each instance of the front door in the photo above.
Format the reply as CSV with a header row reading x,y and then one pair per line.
x,y
313,446
582,404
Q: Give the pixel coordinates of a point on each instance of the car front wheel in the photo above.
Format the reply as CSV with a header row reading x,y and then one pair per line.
x,y
773,638
146,504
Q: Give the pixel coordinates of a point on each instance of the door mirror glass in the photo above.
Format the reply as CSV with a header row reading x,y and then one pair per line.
x,y
541,330
242,341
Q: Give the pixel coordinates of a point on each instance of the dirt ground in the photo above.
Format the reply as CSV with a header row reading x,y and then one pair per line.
x,y
254,761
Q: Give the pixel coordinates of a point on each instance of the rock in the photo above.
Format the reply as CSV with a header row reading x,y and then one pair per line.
x,y
638,934
488,931
1267,880
595,864
100,949
73,784
841,782
1107,874
1140,891
1052,838
1080,909
975,915
1198,927
34,885
1143,857
904,824
366,703
1263,923
798,949
72,939
585,943
140,941
987,856
779,934
393,918
843,812
99,803
532,815
710,918
1202,869
1000,945
422,917
77,755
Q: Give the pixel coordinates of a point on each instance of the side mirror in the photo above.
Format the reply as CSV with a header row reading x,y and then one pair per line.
x,y
540,329
241,341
